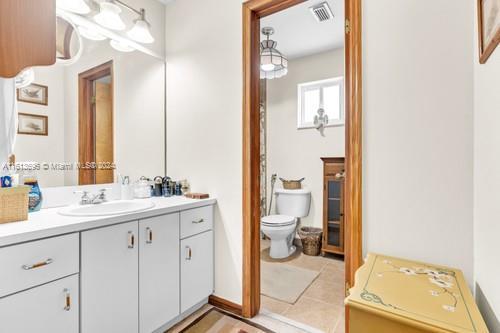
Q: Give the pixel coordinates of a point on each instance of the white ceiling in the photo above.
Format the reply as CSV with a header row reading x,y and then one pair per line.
x,y
299,34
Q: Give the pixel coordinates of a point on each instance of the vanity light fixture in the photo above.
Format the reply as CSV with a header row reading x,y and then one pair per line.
x,y
273,64
90,33
74,6
109,16
140,32
120,46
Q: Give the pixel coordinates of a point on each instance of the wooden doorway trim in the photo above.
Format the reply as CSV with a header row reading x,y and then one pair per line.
x,y
86,137
253,10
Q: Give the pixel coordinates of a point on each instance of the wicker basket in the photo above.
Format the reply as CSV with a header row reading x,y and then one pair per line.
x,y
311,240
292,184
14,204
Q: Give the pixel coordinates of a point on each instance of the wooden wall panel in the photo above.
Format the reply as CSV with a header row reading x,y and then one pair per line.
x,y
27,35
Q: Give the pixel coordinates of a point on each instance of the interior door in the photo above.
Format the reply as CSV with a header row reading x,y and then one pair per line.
x,y
158,271
110,279
103,107
52,307
196,269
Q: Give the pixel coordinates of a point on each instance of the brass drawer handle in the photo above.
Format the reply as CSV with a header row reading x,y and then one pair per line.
x,y
150,235
67,298
199,221
38,264
131,240
189,253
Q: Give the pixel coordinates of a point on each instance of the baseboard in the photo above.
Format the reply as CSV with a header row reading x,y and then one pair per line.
x,y
224,304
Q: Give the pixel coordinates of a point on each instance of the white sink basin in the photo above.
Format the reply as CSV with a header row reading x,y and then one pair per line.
x,y
108,208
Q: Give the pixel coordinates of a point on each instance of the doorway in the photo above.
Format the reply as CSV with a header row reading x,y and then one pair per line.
x,y
253,11
95,129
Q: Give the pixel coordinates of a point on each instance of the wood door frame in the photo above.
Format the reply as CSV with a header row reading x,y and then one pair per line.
x,y
253,10
86,118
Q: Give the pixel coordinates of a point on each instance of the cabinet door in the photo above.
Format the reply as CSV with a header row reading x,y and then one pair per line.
x,y
158,271
52,307
109,279
197,276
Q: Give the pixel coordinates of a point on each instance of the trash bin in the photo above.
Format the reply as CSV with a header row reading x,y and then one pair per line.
x,y
311,240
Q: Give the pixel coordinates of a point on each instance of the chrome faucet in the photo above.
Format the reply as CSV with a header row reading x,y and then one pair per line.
x,y
91,199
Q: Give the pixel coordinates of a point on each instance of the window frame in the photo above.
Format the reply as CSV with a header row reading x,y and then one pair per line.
x,y
321,84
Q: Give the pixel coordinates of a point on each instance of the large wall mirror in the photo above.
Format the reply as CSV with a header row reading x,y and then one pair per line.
x,y
97,113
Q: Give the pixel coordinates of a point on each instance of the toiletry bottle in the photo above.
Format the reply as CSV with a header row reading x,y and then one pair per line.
x,y
158,186
35,195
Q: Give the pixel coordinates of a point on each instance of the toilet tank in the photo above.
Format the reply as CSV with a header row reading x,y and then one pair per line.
x,y
293,202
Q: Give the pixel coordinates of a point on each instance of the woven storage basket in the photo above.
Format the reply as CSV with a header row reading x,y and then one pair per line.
x,y
292,184
311,240
14,204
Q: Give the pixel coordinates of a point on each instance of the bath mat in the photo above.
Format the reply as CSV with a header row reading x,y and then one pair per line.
x,y
285,282
217,321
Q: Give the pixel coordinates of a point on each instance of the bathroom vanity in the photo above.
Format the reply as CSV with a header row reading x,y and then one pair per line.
x,y
139,272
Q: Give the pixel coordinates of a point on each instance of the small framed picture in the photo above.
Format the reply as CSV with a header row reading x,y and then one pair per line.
x,y
33,124
489,27
34,93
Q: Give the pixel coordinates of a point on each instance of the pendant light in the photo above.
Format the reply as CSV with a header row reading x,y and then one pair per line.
x,y
109,16
74,6
140,32
272,63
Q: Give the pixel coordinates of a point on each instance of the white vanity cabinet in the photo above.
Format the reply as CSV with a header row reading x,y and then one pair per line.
x,y
109,279
52,307
158,271
137,274
197,256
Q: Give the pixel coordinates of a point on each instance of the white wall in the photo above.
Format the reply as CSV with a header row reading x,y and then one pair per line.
x,y
204,103
295,153
487,180
417,125
418,109
49,148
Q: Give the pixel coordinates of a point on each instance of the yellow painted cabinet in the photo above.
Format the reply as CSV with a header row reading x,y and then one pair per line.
x,y
393,295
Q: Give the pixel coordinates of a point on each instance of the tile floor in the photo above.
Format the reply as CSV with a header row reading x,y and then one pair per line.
x,y
321,305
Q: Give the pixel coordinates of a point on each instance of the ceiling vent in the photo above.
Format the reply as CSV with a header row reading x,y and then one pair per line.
x,y
322,12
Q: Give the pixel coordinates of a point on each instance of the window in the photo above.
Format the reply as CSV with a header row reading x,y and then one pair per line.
x,y
327,94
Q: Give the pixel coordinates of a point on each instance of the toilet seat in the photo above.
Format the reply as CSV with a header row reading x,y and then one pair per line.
x,y
278,220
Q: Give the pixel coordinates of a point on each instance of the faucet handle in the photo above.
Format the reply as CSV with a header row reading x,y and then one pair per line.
x,y
83,193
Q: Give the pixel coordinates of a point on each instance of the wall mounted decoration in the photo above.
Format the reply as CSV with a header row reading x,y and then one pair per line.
x,y
489,27
34,93
33,124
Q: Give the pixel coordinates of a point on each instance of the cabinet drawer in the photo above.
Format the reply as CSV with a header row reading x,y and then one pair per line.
x,y
30,264
332,169
195,221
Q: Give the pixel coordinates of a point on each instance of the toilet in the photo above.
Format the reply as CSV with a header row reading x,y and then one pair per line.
x,y
291,205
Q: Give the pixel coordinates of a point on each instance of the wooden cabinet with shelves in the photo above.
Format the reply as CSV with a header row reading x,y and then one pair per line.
x,y
333,205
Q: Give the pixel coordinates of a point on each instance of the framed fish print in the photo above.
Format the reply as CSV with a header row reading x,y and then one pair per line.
x,y
33,124
489,27
34,93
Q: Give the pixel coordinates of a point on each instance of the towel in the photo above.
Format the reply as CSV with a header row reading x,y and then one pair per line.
x,y
8,119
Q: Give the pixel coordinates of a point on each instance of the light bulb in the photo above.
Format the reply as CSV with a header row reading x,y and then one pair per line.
x,y
268,67
140,32
121,46
109,16
74,6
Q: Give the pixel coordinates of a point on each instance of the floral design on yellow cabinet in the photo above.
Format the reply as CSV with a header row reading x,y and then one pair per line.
x,y
414,296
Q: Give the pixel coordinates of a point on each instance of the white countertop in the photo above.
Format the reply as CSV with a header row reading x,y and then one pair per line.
x,y
48,222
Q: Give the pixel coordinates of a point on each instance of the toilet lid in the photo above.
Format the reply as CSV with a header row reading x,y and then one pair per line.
x,y
278,220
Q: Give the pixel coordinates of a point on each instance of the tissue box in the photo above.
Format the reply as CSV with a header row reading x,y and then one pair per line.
x,y
14,204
